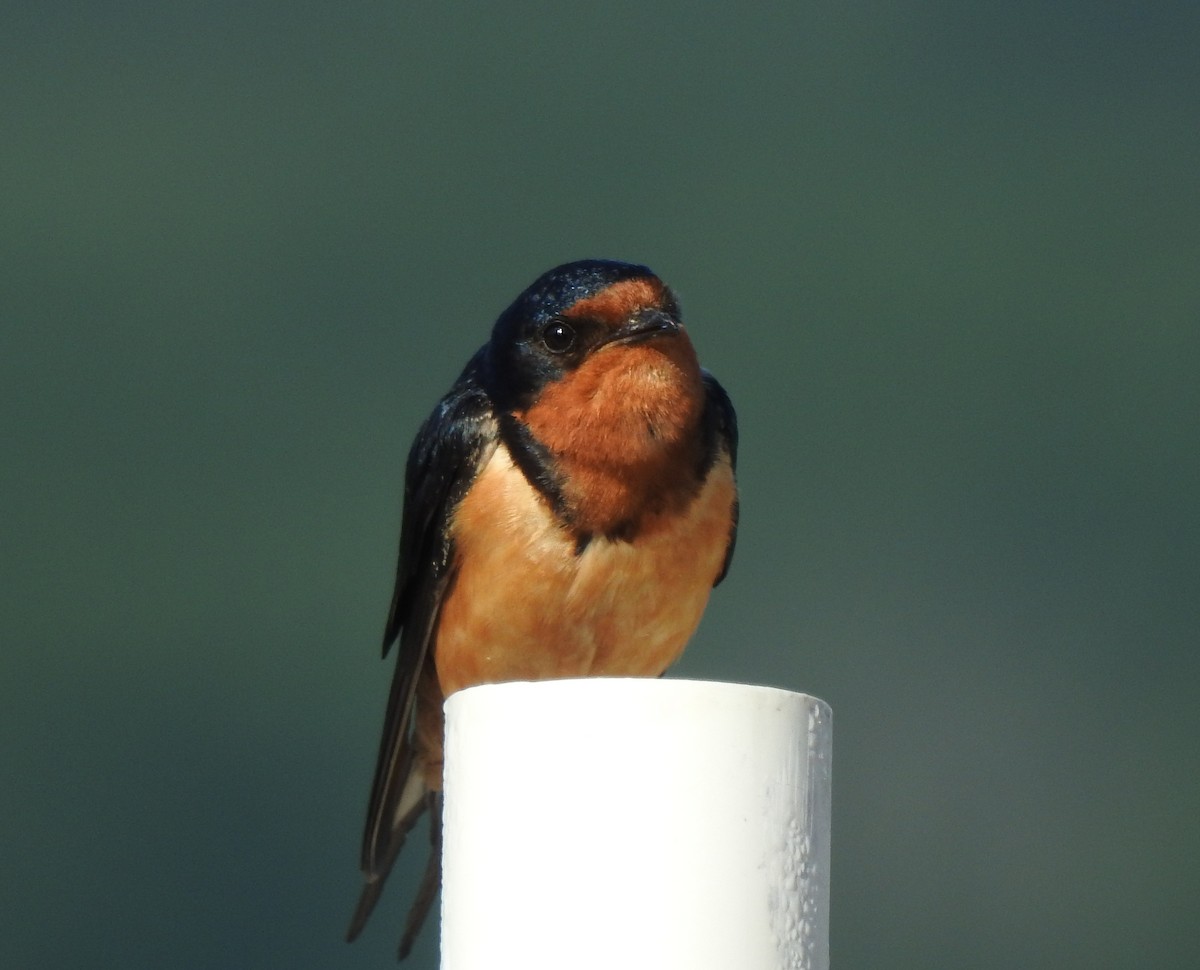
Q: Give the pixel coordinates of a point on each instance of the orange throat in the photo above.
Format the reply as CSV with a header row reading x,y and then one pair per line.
x,y
623,431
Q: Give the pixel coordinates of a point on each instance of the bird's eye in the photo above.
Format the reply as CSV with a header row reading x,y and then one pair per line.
x,y
558,336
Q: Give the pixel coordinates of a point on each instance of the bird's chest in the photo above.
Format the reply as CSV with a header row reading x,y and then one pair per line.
x,y
527,604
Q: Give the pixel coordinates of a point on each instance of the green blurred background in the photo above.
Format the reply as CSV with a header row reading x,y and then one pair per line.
x,y
944,256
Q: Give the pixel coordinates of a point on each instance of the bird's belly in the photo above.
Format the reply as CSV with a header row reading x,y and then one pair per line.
x,y
525,605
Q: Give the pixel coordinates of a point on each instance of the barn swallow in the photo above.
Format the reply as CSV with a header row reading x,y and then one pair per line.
x,y
568,506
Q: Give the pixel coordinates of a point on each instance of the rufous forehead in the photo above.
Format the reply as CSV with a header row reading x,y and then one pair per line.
x,y
616,303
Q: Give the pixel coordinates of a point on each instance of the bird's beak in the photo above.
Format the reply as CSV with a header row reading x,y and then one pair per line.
x,y
646,324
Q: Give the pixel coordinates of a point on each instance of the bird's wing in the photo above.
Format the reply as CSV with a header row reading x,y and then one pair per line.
x,y
446,456
720,423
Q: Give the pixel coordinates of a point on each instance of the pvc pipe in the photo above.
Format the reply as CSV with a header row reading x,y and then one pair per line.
x,y
636,825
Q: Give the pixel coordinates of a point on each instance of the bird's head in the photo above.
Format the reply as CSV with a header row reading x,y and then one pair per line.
x,y
570,316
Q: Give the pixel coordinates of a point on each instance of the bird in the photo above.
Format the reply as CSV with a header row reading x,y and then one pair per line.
x,y
569,505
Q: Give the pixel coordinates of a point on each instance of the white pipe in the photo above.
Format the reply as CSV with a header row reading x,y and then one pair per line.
x,y
636,825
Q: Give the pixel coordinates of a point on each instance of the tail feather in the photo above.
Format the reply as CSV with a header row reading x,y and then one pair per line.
x,y
431,880
413,803
366,903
